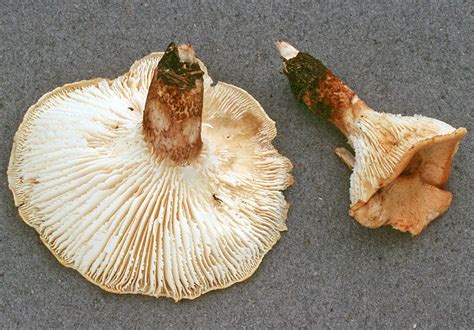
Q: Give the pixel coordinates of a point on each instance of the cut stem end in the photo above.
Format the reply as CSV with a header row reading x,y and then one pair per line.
x,y
286,50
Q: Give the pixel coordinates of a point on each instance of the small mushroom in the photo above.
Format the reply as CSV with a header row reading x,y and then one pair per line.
x,y
155,182
401,164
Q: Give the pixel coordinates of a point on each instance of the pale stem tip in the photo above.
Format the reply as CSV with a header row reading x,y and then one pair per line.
x,y
286,50
186,53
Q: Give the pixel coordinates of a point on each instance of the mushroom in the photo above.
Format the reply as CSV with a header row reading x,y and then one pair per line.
x,y
155,182
401,163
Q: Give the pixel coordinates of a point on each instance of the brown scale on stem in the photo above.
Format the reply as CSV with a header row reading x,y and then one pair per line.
x,y
173,109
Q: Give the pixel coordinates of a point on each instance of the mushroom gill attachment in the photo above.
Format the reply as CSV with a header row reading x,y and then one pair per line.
x,y
401,163
153,183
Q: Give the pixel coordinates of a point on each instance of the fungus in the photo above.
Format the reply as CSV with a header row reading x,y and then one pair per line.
x,y
155,182
401,163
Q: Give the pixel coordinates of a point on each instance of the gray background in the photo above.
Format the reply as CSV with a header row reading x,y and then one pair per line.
x,y
326,271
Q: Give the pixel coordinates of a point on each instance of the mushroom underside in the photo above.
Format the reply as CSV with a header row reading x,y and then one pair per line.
x,y
104,204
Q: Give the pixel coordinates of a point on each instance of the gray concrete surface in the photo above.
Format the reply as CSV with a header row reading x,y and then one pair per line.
x,y
327,271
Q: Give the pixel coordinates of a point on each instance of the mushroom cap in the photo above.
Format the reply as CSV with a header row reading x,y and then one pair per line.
x,y
407,162
127,220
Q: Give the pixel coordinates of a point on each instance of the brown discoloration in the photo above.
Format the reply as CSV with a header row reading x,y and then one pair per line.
x,y
173,110
322,91
334,94
217,199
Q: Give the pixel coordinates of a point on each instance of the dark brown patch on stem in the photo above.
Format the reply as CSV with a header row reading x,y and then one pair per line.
x,y
320,90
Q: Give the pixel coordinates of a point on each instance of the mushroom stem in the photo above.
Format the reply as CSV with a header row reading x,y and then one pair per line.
x,y
173,108
319,89
346,157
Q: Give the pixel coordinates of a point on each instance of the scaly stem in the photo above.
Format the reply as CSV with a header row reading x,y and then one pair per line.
x,y
319,89
173,108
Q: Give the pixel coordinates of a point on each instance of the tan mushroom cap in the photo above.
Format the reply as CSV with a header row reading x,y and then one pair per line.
x,y
402,165
104,204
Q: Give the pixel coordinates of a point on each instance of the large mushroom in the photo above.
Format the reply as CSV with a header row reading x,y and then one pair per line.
x,y
155,182
401,164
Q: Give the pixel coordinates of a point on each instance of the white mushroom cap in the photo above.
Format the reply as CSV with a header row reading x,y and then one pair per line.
x,y
105,205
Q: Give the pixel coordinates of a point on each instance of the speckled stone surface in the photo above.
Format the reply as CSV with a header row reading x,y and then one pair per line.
x,y
327,271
